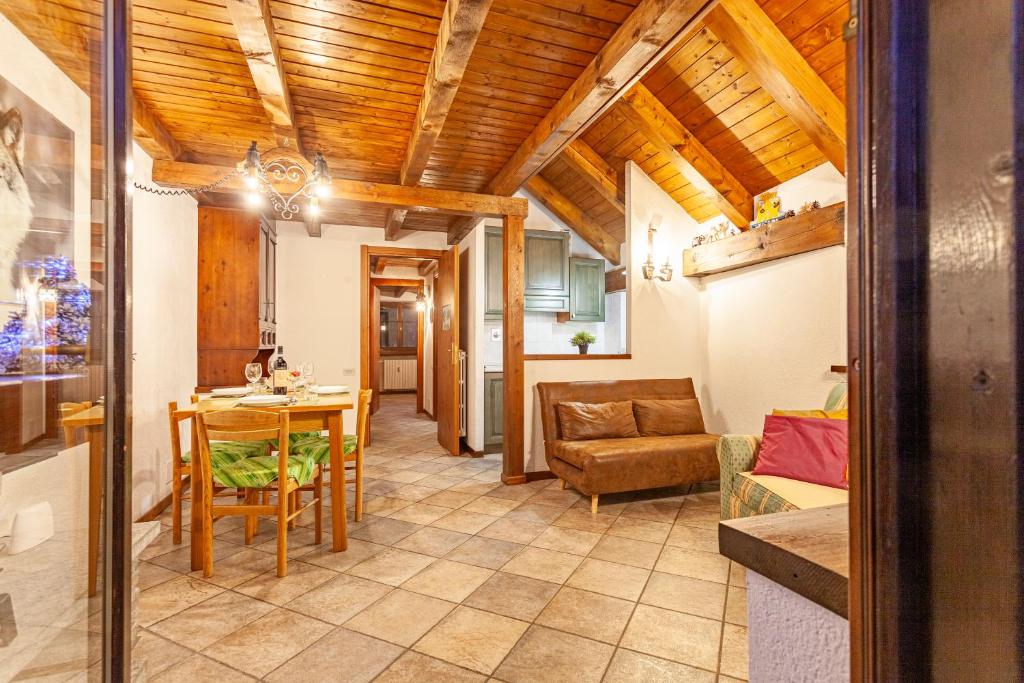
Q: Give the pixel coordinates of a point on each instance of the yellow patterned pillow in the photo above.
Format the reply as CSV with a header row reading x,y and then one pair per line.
x,y
827,414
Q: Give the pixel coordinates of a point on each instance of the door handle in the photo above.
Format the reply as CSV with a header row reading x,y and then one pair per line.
x,y
455,354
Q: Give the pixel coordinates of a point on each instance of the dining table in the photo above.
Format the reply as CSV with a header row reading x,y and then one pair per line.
x,y
313,414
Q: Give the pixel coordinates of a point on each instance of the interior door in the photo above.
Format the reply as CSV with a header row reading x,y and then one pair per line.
x,y
375,348
446,331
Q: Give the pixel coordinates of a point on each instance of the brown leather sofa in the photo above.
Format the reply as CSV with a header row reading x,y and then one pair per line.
x,y
611,465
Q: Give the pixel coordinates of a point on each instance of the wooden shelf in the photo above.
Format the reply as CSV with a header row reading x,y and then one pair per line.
x,y
805,232
578,356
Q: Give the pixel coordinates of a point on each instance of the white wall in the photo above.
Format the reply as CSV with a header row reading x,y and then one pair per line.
x,y
165,242
770,332
318,296
661,319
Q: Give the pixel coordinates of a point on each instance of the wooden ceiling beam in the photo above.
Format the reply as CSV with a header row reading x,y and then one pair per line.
x,y
151,125
255,28
692,159
460,27
425,199
314,225
427,266
647,34
595,171
583,225
753,38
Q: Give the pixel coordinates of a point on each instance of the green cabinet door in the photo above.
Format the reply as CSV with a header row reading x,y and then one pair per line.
x,y
586,280
546,276
493,285
494,411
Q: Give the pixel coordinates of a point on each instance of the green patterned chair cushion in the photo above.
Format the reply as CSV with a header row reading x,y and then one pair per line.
x,y
736,453
226,452
839,397
319,447
261,471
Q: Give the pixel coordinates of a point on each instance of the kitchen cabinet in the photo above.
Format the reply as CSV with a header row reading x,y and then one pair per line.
x,y
586,285
494,300
494,411
237,299
546,272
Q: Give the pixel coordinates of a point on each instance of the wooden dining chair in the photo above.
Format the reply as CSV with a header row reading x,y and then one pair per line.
x,y
281,473
319,448
67,410
181,463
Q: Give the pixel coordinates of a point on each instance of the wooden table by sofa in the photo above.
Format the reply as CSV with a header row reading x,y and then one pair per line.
x,y
306,416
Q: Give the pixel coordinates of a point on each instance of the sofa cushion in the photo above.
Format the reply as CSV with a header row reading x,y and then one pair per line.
x,y
668,417
805,448
765,494
583,421
843,414
610,465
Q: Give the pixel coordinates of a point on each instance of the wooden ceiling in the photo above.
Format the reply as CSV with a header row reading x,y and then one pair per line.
x,y
734,96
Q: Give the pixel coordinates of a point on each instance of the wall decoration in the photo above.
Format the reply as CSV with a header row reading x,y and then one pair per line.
x,y
39,290
446,317
720,231
767,206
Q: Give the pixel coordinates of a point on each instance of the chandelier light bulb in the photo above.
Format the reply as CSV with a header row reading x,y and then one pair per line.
x,y
251,181
252,199
314,207
323,188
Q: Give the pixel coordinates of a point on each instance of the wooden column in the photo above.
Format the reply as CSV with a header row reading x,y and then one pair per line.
x,y
512,274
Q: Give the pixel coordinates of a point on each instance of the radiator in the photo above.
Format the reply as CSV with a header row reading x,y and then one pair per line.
x,y
399,374
463,394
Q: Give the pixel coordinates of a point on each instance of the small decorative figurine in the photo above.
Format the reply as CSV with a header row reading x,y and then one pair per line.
x,y
809,206
767,206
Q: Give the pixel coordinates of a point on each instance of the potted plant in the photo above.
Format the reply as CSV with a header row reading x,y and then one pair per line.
x,y
582,340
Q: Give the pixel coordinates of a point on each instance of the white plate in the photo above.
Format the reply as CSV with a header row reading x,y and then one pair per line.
x,y
264,400
231,391
328,389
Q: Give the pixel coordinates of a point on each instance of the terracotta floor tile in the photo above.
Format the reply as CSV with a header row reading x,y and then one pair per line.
x,y
392,567
472,639
385,531
704,517
357,552
685,594
342,655
439,481
401,617
339,599
546,655
609,578
432,541
654,510
265,644
301,578
412,492
695,564
453,581
683,638
519,597
556,497
584,520
404,476
737,575
546,565
566,540
154,653
200,668
538,513
239,567
412,667
463,521
485,552
152,574
627,551
513,530
420,513
587,614
211,620
384,506
736,606
640,529
491,506
693,538
734,652
173,596
519,493
630,667
478,487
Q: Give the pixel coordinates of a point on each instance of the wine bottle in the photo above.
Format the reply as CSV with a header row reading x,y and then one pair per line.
x,y
280,373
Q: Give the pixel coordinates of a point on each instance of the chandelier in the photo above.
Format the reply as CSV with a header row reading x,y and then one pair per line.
x,y
260,178
285,168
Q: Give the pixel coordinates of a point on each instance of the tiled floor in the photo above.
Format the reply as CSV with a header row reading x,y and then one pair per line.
x,y
451,576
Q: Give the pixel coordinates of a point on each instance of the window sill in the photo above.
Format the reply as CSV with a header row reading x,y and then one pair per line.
x,y
578,356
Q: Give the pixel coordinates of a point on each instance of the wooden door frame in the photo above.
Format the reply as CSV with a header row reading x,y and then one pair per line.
x,y
375,353
513,236
936,361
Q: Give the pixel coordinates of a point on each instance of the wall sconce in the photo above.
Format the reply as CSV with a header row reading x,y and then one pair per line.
x,y
665,272
421,303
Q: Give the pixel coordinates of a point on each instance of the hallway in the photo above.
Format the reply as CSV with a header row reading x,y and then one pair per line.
x,y
452,576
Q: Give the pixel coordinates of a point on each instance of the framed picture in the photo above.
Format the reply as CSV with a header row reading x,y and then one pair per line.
x,y
446,317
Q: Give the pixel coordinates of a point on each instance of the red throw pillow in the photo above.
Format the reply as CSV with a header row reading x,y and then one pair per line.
x,y
808,449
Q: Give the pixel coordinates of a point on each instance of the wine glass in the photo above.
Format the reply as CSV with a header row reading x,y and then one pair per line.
x,y
307,370
253,373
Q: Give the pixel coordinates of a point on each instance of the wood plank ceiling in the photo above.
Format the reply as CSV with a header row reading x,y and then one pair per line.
x,y
348,77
